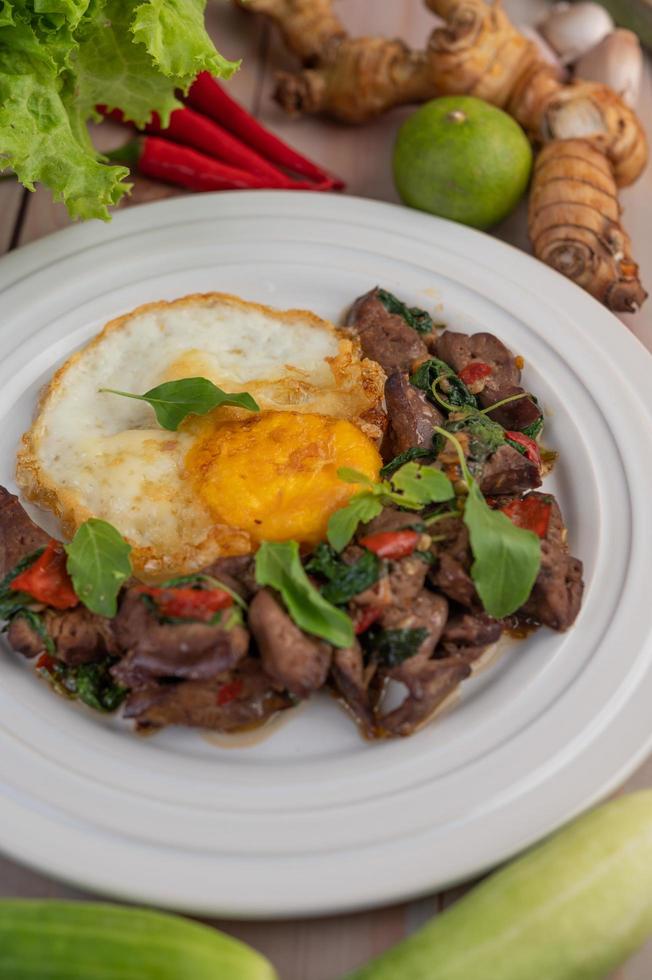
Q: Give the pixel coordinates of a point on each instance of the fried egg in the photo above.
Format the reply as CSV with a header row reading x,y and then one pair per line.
x,y
224,481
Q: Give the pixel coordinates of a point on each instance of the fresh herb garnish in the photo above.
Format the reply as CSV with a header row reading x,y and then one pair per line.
x,y
411,487
534,429
415,452
91,683
506,558
343,524
416,318
393,647
343,580
174,400
435,376
278,565
12,602
420,485
98,563
484,436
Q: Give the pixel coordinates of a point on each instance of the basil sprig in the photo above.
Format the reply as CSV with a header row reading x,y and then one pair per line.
x,y
416,318
407,456
394,647
91,683
278,565
98,563
174,400
433,373
507,558
343,581
411,487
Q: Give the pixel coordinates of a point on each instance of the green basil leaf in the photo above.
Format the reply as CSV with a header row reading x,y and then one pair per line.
x,y
12,601
348,475
278,565
324,561
416,318
415,452
344,580
507,558
343,524
393,647
485,437
454,391
534,429
98,563
174,400
423,484
91,683
94,685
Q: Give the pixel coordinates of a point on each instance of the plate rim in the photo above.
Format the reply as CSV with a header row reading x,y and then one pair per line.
x,y
81,237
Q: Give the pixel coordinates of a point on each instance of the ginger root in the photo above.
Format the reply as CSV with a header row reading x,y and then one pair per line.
x,y
479,52
574,220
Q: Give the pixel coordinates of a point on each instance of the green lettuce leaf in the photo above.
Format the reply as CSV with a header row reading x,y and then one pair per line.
x,y
59,58
174,34
114,71
40,127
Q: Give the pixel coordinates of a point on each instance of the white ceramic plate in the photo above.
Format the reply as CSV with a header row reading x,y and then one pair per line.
x,y
314,820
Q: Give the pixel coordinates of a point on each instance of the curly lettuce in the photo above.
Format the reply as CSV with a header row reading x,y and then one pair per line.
x,y
60,58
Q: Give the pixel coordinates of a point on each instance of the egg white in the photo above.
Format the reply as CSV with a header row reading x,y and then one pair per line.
x,y
96,454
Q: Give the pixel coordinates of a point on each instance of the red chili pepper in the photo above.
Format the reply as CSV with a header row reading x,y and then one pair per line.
x,y
530,513
191,128
209,97
180,165
532,451
45,662
188,603
47,579
475,371
392,544
368,615
229,692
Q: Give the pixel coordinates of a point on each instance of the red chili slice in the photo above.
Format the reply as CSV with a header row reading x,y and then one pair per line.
x,y
475,371
392,544
530,513
183,603
46,662
368,615
229,692
47,579
532,450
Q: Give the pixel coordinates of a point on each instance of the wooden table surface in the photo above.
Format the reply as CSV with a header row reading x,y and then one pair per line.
x,y
323,949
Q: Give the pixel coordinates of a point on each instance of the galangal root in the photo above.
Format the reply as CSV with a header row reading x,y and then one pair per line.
x,y
589,142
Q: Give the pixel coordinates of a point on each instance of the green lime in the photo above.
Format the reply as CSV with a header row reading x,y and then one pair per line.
x,y
463,159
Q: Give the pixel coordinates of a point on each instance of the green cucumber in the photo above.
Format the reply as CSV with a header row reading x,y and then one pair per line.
x,y
51,940
572,908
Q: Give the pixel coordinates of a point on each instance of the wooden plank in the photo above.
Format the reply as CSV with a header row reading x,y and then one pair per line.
x,y
11,195
637,219
360,154
320,949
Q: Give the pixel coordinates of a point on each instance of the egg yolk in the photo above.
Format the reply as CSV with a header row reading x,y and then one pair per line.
x,y
274,475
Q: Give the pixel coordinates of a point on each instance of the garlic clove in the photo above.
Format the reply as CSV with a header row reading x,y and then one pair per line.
x,y
617,61
571,29
545,51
